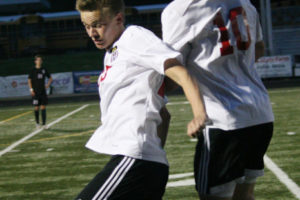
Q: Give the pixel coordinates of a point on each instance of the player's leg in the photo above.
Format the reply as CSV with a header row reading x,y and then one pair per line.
x,y
256,140
43,110
44,102
127,178
36,104
244,191
36,116
217,165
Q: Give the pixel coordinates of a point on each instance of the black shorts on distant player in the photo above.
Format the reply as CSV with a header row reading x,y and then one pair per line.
x,y
40,99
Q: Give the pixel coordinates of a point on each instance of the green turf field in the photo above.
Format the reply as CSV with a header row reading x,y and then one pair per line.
x,y
54,164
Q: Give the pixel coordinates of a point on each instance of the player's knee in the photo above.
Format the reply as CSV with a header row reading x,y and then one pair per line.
x,y
250,179
245,189
221,192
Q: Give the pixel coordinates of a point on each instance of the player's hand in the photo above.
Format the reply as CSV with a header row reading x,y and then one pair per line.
x,y
196,125
32,93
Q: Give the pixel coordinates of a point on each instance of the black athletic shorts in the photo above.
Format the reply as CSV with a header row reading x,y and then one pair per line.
x,y
126,178
40,99
223,156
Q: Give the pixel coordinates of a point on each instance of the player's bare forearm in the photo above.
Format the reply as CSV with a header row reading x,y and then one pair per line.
x,y
175,71
30,87
49,82
29,83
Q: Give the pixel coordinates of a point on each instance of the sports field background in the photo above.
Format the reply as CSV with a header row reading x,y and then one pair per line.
x,y
54,164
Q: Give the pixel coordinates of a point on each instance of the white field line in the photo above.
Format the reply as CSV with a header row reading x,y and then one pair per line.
x,y
178,103
283,91
9,148
174,176
171,103
48,107
283,177
187,182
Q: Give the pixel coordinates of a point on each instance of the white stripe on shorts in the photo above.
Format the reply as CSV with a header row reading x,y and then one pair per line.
x,y
204,161
114,179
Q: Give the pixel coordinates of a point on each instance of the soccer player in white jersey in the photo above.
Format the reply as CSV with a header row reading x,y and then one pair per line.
x,y
135,64
220,40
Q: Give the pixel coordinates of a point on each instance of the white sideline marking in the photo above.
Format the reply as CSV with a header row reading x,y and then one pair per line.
x,y
178,103
9,148
283,91
186,182
283,177
174,176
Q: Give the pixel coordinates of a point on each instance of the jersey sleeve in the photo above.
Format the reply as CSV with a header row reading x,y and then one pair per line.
x,y
183,21
152,52
174,29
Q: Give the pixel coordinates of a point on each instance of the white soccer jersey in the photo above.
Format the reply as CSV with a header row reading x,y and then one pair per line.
x,y
130,101
217,39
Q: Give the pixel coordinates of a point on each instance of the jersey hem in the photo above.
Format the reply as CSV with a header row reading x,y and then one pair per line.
x,y
152,158
228,127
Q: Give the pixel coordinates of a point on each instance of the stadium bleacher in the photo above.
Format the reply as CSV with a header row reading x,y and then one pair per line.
x,y
286,41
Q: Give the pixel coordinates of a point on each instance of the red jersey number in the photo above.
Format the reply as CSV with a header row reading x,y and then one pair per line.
x,y
226,48
103,74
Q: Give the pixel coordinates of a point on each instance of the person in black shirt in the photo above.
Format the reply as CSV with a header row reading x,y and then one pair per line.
x,y
36,83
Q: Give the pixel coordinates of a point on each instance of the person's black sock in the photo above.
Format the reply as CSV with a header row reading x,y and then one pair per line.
x,y
36,114
44,116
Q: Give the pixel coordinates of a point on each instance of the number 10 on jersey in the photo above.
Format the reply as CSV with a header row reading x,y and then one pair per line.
x,y
226,48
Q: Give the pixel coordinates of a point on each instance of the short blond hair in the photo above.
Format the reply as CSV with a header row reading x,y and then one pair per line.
x,y
109,7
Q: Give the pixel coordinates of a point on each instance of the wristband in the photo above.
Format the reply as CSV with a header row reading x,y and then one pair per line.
x,y
31,90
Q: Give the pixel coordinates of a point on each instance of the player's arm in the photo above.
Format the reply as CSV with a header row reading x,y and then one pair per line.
x,y
259,50
30,87
49,82
178,73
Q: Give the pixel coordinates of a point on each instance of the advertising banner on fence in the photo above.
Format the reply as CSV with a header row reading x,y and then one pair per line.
x,y
86,81
275,66
17,86
14,86
62,83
